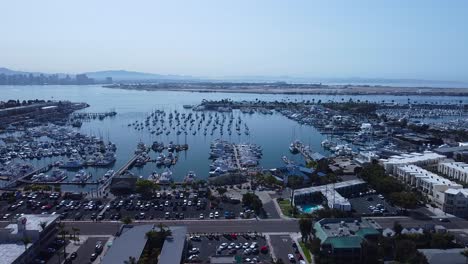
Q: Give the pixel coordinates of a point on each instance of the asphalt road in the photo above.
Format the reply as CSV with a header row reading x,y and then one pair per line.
x,y
455,223
271,211
282,246
85,250
195,226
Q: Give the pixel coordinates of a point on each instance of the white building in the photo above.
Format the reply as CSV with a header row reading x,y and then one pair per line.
x,y
330,193
419,159
366,128
456,202
39,229
454,170
364,157
425,181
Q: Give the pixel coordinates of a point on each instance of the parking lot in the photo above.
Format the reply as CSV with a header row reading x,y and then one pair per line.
x,y
251,248
69,207
372,204
163,205
175,205
88,248
283,246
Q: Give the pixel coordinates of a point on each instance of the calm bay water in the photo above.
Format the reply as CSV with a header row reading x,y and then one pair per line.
x,y
273,132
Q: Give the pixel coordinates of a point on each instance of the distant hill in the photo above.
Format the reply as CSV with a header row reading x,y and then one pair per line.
x,y
11,72
117,75
122,75
133,76
7,71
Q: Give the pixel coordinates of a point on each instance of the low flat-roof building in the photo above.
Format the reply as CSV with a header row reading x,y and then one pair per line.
x,y
450,151
331,192
456,202
450,196
366,157
419,159
444,256
132,242
174,247
12,249
454,170
425,181
341,238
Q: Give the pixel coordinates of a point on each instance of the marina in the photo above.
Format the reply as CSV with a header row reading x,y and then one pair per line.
x,y
177,132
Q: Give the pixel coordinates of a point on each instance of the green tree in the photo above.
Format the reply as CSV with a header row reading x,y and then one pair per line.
x,y
26,241
465,254
131,260
305,226
127,220
253,201
221,190
404,199
145,188
314,246
442,241
397,227
63,233
75,230
42,225
295,182
370,252
406,252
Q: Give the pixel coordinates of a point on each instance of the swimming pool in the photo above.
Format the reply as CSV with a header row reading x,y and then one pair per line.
x,y
309,208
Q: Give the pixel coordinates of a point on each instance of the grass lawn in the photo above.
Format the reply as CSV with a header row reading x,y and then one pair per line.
x,y
307,254
285,206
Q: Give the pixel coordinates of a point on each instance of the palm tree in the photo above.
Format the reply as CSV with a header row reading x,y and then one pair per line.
x,y
26,241
127,220
164,230
43,225
131,260
75,230
63,233
465,254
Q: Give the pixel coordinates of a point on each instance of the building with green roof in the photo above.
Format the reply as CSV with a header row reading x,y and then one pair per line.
x,y
341,238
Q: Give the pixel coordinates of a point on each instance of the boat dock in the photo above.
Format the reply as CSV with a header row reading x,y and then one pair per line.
x,y
84,115
236,156
24,178
61,183
304,151
127,165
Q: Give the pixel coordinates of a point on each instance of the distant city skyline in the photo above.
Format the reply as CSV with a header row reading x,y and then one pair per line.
x,y
425,40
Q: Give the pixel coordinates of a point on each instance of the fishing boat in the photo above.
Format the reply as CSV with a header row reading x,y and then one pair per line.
x,y
107,160
72,163
327,144
157,146
165,177
293,147
56,176
190,177
81,176
160,159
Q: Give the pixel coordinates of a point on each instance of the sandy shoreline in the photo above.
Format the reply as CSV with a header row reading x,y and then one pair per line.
x,y
324,90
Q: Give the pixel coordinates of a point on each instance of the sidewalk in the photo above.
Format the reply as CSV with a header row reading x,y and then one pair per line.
x,y
296,237
73,246
280,212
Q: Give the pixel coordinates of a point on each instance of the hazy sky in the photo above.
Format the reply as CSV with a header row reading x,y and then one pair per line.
x,y
390,39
